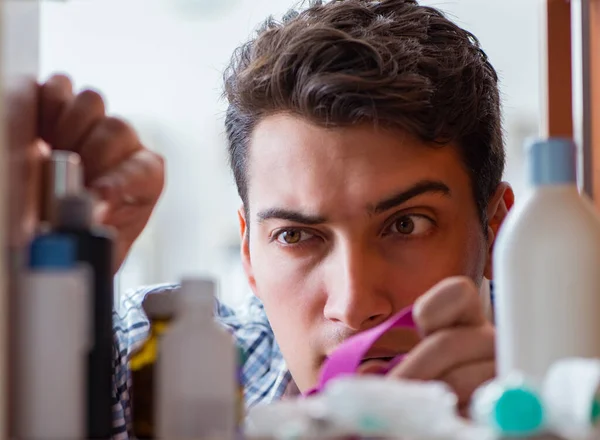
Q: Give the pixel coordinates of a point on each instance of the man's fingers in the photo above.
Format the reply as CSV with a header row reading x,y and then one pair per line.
x,y
54,96
79,117
465,379
139,179
126,179
110,144
450,303
458,345
445,350
127,196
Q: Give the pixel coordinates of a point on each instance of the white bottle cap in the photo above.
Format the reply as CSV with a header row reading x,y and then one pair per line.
x,y
571,391
198,293
161,304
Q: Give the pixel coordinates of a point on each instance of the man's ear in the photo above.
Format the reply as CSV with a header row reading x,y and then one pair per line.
x,y
499,205
245,249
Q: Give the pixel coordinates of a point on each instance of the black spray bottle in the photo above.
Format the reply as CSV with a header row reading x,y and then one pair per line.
x,y
94,247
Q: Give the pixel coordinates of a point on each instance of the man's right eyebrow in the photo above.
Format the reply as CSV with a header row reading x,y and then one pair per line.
x,y
289,215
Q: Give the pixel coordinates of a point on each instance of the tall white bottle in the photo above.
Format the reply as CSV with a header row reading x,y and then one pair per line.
x,y
547,268
197,386
53,339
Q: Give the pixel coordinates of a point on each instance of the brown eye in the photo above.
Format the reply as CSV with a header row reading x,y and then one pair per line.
x,y
292,236
405,225
412,225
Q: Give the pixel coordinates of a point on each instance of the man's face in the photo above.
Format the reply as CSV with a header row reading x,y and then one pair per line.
x,y
346,227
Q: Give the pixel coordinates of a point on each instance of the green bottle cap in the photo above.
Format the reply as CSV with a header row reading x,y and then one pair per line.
x,y
518,412
242,358
595,416
368,423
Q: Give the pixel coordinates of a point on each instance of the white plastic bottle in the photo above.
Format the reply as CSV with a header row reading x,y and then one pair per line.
x,y
197,386
53,339
547,268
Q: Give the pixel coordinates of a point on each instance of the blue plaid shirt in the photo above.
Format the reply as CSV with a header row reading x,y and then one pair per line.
x,y
265,374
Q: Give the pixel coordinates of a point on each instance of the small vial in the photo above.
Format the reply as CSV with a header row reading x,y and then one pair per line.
x,y
160,309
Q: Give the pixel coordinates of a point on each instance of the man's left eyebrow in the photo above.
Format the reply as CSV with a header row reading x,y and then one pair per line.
x,y
419,188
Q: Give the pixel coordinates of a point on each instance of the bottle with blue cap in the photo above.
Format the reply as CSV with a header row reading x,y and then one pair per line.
x,y
53,339
546,263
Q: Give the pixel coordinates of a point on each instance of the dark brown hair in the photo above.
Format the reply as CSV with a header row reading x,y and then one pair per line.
x,y
388,62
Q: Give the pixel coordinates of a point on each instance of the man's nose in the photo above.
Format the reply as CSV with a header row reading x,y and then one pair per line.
x,y
356,293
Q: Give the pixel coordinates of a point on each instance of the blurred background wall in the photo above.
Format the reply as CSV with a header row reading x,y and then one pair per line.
x,y
159,64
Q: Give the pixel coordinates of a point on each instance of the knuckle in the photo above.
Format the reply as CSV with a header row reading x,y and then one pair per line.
x,y
463,282
444,341
161,160
90,99
158,172
155,167
116,126
144,170
463,292
487,341
155,160
448,291
117,134
462,287
151,162
161,168
488,332
60,80
446,303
